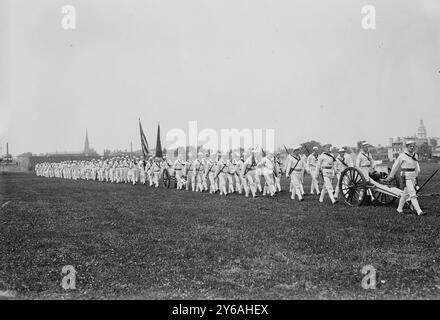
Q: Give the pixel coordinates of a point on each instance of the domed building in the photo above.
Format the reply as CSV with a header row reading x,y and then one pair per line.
x,y
421,136
396,146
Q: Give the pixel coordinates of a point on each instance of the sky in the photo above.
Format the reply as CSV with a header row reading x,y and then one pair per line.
x,y
306,69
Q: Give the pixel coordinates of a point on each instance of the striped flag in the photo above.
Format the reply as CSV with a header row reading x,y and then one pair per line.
x,y
144,143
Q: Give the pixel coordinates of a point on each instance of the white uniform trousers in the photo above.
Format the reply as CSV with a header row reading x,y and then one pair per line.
x,y
295,181
409,193
314,186
251,180
328,186
222,180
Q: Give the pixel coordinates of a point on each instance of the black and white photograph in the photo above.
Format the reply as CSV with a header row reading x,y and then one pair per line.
x,y
219,150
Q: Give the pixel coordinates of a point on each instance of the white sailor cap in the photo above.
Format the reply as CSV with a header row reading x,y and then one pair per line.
x,y
342,149
410,142
327,145
315,148
298,147
365,144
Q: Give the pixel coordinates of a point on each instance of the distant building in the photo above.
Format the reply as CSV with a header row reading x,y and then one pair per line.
x,y
28,161
396,146
379,153
87,150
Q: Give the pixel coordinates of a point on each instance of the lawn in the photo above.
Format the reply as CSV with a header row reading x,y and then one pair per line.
x,y
137,242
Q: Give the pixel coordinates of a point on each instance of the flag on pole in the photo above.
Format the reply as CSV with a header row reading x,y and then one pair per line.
x,y
158,144
144,143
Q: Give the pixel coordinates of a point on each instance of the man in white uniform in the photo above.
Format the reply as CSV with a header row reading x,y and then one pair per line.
x,y
326,163
207,162
268,170
240,180
156,168
142,173
312,162
294,168
189,174
198,173
409,164
304,160
210,165
231,173
365,163
179,166
249,173
259,169
221,173
278,171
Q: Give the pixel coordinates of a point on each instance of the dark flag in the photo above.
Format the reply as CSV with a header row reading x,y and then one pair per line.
x,y
158,144
144,143
306,148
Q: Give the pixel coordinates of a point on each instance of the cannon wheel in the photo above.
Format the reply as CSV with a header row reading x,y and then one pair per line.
x,y
384,198
166,179
353,186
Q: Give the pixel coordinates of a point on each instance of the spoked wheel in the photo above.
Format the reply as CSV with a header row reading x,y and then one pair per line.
x,y
166,179
384,198
173,182
353,186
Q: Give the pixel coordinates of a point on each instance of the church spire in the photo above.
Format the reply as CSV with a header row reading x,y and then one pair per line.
x,y
86,143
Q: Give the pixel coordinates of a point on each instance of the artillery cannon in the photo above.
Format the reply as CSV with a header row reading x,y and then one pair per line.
x,y
354,187
168,179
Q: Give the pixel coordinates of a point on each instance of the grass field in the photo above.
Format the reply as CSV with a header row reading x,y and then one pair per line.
x,y
136,242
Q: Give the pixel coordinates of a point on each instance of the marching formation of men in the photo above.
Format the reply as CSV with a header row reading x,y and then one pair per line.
x,y
228,173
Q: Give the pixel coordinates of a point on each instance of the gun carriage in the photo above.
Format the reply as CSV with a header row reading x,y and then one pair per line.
x,y
168,178
354,187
